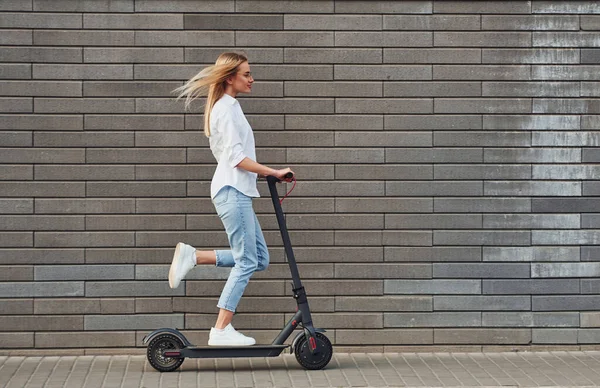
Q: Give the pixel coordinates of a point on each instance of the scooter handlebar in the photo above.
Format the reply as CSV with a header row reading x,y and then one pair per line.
x,y
289,175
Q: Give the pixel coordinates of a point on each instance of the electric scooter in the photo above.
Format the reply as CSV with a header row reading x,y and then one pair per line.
x,y
168,348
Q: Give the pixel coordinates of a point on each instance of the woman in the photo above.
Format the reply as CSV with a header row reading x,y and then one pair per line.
x,y
232,188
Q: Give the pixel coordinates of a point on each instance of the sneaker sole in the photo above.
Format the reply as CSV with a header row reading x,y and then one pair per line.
x,y
174,265
228,344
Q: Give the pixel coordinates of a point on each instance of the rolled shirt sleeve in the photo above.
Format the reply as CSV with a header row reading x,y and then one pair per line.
x,y
232,143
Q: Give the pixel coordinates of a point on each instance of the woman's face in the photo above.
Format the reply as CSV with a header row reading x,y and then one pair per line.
x,y
242,81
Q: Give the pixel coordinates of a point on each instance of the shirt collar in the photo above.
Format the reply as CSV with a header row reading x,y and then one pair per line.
x,y
227,98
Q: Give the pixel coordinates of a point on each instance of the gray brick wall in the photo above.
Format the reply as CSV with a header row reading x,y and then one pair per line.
x,y
446,153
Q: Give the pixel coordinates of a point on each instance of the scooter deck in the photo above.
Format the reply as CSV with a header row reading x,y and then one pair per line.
x,y
232,351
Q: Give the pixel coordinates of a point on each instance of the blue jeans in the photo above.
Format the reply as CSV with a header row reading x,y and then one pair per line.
x,y
248,247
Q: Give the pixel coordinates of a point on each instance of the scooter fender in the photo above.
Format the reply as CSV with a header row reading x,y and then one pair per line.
x,y
301,334
175,332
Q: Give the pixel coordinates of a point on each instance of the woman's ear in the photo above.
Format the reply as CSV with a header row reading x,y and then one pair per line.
x,y
229,80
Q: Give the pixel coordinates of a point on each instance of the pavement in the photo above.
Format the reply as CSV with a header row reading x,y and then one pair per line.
x,y
509,369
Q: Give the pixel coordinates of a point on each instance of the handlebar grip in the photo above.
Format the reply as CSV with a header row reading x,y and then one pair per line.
x,y
289,175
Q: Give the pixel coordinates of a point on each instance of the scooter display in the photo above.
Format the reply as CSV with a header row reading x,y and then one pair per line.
x,y
167,348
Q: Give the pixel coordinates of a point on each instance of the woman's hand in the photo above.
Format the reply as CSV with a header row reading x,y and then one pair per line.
x,y
280,174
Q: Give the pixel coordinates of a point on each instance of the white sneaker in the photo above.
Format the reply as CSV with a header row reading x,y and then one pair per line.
x,y
184,259
229,337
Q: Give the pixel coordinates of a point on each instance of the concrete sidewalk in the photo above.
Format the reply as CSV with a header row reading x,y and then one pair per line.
x,y
525,369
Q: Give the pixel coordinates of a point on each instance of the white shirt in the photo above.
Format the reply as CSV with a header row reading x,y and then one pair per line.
x,y
231,140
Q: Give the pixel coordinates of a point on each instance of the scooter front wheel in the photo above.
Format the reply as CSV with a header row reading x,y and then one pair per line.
x,y
158,346
317,360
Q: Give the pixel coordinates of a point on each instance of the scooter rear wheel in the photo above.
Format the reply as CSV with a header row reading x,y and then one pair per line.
x,y
320,358
158,346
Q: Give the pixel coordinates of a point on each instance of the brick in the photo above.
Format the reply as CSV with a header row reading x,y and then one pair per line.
x,y
16,206
332,55
388,171
83,38
232,22
84,206
383,271
184,6
15,71
564,205
67,306
565,73
266,6
41,155
333,89
431,89
153,305
589,253
129,322
558,270
555,336
384,336
39,20
16,239
36,222
590,89
590,56
462,319
532,155
564,139
383,205
83,239
530,122
128,89
293,139
42,189
489,171
16,306
135,155
17,273
531,89
16,105
564,303
338,254
553,6
255,288
132,21
534,56
255,55
482,72
83,272
481,303
287,38
484,8
506,139
482,336
590,22
333,222
482,39
433,188
481,238
16,37
432,286
331,22
565,39
337,155
565,172
49,122
388,105
41,323
480,270
132,55
432,254
382,72
530,221
97,339
530,22
85,172
528,319
590,320
41,289
431,22
590,221
382,6
16,340
83,6
589,286
128,255
84,139
431,55
393,237
251,304
136,189
84,105
434,155
289,105
384,39
47,256
346,321
184,38
383,303
130,289
16,172
553,286
338,122
482,105
427,221
41,88
170,172
16,5
40,55
429,122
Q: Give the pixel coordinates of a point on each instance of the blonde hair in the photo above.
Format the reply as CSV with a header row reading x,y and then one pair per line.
x,y
210,82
